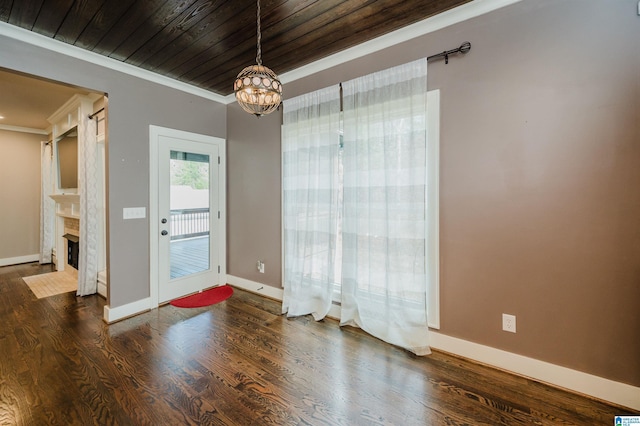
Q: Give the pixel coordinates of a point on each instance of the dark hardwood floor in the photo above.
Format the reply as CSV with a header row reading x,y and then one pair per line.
x,y
241,363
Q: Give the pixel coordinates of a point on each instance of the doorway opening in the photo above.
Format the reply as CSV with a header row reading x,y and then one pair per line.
x,y
187,213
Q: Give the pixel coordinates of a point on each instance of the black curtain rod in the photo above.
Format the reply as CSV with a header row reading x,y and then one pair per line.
x,y
95,113
464,48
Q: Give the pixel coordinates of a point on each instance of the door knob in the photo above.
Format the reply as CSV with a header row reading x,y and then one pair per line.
x,y
163,220
164,232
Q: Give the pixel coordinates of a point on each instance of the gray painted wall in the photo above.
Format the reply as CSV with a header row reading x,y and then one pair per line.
x,y
540,180
253,196
20,194
133,105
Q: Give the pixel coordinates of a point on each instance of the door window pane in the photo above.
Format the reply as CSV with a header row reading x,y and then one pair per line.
x,y
189,205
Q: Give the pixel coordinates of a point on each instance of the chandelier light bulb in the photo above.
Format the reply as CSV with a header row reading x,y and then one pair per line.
x,y
258,90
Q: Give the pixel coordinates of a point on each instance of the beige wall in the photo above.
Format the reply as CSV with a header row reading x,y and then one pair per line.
x,y
20,194
540,180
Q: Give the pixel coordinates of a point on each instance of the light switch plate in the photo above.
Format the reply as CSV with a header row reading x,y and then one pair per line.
x,y
134,212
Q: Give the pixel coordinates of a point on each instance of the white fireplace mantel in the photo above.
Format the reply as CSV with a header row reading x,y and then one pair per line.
x,y
66,198
67,205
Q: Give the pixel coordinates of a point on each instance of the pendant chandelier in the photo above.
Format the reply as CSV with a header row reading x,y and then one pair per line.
x,y
257,88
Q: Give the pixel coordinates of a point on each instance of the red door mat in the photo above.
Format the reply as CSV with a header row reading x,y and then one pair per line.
x,y
208,297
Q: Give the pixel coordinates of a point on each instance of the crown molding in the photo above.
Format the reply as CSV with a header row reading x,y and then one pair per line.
x,y
23,129
434,23
53,45
73,103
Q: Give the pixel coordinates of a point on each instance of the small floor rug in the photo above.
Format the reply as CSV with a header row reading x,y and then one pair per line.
x,y
208,297
45,285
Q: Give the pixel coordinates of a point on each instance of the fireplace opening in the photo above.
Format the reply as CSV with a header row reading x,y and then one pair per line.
x,y
73,248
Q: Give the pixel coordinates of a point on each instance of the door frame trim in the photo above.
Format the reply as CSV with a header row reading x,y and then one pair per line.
x,y
155,132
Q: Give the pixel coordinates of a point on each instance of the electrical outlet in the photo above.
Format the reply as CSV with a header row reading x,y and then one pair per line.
x,y
260,266
509,323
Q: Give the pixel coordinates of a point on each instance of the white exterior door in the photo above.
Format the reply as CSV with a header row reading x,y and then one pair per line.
x,y
188,227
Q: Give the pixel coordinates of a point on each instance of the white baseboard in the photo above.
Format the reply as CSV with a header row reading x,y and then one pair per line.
x,y
572,380
20,259
125,311
576,381
102,283
255,287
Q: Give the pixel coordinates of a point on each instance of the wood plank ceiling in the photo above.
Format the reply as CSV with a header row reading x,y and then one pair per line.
x,y
206,43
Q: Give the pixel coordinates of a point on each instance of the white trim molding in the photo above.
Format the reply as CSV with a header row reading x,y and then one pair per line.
x,y
19,129
271,292
575,381
256,287
19,259
102,283
437,22
118,313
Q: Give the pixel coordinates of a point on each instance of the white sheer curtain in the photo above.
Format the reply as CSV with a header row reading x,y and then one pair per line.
x,y
88,190
310,144
47,205
384,285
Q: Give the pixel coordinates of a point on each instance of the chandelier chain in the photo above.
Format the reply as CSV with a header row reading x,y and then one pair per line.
x,y
259,55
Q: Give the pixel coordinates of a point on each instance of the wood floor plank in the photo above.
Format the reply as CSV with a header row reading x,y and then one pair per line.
x,y
241,362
